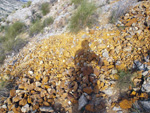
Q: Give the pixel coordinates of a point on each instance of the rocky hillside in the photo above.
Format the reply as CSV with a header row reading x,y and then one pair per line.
x,y
105,69
8,6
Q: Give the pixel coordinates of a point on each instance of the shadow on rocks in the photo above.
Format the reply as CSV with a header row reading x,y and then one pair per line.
x,y
83,90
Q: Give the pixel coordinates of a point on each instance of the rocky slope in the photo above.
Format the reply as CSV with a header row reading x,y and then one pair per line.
x,y
8,6
79,73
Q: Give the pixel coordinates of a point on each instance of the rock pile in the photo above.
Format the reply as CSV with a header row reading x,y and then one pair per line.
x,y
73,73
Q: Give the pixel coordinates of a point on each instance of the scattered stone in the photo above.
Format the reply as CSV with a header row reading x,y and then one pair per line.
x,y
82,101
117,108
146,87
46,109
114,71
145,105
12,93
125,104
23,102
30,72
145,73
25,108
105,54
4,106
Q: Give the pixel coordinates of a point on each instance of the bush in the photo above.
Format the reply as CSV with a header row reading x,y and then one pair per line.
x,y
45,8
48,21
36,28
13,30
82,17
2,56
29,3
9,42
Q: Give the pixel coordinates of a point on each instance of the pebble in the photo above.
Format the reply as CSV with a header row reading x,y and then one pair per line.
x,y
145,73
46,109
25,108
145,105
82,101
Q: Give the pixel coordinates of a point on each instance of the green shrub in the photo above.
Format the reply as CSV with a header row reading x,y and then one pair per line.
x,y
82,17
36,28
113,18
35,18
24,5
13,30
45,8
9,42
76,1
2,56
29,3
48,21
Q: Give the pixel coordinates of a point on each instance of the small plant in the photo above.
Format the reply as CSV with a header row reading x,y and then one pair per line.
x,y
48,21
2,56
35,18
45,8
82,17
76,1
113,18
14,29
2,84
24,5
29,3
124,80
36,28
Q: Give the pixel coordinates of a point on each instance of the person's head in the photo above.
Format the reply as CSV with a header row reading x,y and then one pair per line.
x,y
85,44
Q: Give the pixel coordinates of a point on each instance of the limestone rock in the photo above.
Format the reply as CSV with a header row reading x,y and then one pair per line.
x,y
82,101
25,108
46,109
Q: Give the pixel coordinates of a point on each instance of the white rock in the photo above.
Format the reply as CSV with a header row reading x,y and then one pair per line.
x,y
30,72
145,73
105,54
82,101
37,84
109,91
116,108
4,106
114,71
46,109
25,108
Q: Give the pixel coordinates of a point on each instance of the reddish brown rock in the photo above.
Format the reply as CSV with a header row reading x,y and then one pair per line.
x,y
16,99
12,93
89,107
96,71
88,90
23,102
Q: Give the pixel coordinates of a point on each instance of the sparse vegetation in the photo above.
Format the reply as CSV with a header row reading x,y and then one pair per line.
x,y
27,4
82,17
76,1
36,27
48,21
45,8
9,41
113,17
2,84
124,80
